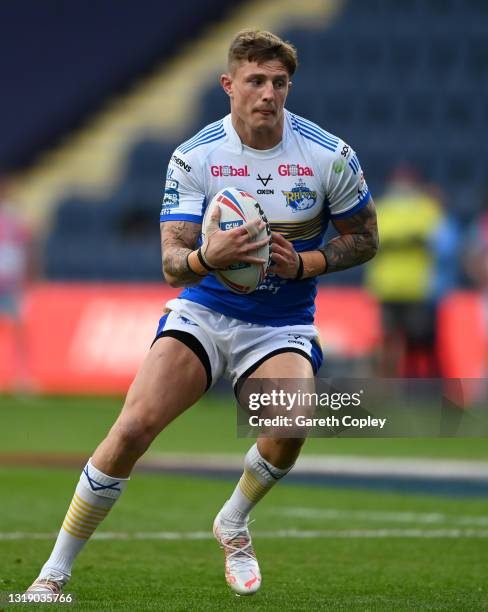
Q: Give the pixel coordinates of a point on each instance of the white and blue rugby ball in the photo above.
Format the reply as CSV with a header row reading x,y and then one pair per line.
x,y
237,207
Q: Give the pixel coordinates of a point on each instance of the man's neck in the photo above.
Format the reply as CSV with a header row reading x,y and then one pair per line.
x,y
258,139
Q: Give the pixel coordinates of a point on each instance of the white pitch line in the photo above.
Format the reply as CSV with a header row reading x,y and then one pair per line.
x,y
340,465
281,533
423,518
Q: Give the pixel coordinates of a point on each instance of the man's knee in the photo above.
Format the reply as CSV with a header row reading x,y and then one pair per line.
x,y
135,429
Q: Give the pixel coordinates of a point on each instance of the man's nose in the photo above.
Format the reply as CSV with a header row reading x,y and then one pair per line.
x,y
268,91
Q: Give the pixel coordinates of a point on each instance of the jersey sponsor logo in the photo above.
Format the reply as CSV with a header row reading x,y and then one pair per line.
x,y
171,196
346,149
300,197
361,181
182,164
272,283
228,225
362,187
339,165
294,170
229,171
264,179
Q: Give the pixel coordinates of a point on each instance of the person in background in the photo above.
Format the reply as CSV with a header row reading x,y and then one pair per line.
x,y
476,261
416,266
17,265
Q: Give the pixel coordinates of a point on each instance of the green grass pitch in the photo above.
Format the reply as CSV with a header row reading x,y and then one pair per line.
x,y
326,572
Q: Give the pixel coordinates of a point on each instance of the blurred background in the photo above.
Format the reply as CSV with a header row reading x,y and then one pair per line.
x,y
95,98
95,103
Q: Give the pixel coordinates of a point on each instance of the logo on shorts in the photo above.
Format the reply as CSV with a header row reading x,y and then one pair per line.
x,y
186,320
295,339
300,197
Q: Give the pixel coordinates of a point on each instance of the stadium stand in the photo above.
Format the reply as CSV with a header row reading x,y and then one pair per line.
x,y
389,77
82,55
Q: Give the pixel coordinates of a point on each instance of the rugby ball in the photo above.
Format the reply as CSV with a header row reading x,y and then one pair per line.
x,y
236,208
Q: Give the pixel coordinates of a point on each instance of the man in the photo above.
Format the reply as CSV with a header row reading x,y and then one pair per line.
x,y
302,176
17,267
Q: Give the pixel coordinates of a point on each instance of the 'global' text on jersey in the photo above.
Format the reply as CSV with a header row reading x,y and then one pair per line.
x,y
229,171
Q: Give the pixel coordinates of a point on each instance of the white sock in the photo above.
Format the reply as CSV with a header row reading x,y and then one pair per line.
x,y
258,478
95,494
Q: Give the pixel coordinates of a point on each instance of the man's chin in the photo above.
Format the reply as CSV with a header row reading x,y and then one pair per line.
x,y
265,121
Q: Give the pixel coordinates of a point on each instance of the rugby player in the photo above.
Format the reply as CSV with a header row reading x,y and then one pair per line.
x,y
303,177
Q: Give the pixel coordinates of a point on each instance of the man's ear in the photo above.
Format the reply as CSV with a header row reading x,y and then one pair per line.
x,y
226,82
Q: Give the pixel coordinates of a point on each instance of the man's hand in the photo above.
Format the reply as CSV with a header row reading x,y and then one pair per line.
x,y
284,257
222,248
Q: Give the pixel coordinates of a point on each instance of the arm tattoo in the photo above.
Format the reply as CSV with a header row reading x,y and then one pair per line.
x,y
178,239
357,243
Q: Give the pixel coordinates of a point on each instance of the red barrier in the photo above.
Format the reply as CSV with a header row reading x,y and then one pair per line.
x,y
462,335
8,356
91,338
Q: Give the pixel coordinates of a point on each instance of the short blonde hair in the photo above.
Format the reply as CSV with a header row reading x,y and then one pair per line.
x,y
261,46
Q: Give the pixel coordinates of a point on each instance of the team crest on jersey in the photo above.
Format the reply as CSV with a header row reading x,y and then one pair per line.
x,y
300,197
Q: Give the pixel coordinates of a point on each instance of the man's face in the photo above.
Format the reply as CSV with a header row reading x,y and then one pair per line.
x,y
258,93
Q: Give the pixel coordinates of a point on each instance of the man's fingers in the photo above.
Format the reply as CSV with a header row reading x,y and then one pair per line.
x,y
251,259
214,224
277,258
276,248
279,239
251,228
252,246
216,214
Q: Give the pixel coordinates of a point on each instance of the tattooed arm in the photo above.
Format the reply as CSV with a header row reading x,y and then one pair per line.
x,y
357,243
183,266
178,239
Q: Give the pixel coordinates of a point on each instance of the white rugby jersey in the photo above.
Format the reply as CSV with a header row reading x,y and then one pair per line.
x,y
303,182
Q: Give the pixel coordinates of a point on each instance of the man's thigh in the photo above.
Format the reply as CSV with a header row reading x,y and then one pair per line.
x,y
171,379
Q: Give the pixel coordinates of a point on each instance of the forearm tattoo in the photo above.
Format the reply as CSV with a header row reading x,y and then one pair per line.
x,y
178,239
357,243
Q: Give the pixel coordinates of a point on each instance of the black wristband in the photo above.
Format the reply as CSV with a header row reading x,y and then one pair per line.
x,y
325,260
190,269
201,259
300,268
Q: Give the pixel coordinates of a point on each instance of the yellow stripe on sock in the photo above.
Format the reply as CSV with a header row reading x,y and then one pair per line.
x,y
90,506
83,522
74,530
72,533
85,512
252,488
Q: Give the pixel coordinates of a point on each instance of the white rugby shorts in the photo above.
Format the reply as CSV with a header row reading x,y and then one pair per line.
x,y
234,348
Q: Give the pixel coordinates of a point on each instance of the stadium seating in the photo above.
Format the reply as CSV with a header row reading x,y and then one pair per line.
x,y
388,77
61,60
